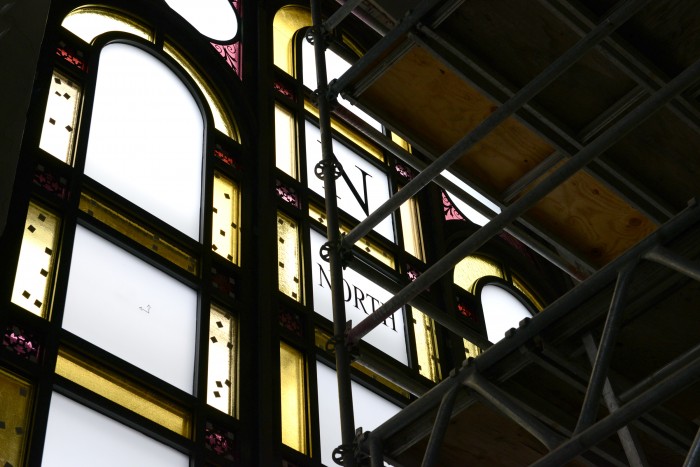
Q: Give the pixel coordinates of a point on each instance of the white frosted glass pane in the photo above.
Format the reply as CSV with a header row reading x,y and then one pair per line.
x,y
335,67
131,309
502,311
147,136
362,297
213,18
371,184
370,410
471,213
79,436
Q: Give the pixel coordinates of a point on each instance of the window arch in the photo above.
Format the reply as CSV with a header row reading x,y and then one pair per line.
x,y
137,172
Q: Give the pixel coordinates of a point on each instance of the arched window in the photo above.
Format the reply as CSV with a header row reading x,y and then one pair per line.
x,y
137,175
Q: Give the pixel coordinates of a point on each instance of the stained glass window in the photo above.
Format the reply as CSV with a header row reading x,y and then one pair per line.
x,y
285,141
213,18
222,373
426,346
77,435
37,259
288,257
473,268
89,22
226,218
502,311
15,411
156,160
61,117
131,309
293,398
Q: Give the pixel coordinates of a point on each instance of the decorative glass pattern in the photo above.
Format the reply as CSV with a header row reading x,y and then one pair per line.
x,y
231,53
50,183
449,210
426,346
137,232
72,56
293,398
77,435
131,309
287,194
21,343
222,374
471,350
226,158
288,257
15,411
89,22
226,219
473,268
285,141
404,171
61,118
284,90
371,248
123,392
220,442
288,20
291,321
222,122
37,259
224,284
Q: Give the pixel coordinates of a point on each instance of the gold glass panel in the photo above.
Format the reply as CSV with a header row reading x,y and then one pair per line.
x,y
348,133
285,141
123,392
140,234
36,260
222,375
400,141
471,349
89,22
370,247
61,118
222,122
288,20
473,268
15,409
293,398
226,219
527,292
426,346
411,229
288,257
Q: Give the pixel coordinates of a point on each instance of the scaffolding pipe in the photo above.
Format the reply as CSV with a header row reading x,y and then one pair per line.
x,y
342,354
674,261
627,413
380,48
387,144
693,458
376,451
661,374
504,403
512,212
340,14
442,418
628,439
541,81
599,374
540,322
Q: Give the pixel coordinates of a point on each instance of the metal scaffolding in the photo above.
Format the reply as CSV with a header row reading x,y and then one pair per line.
x,y
623,408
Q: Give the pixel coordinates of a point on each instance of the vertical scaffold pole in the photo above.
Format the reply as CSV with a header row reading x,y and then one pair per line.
x,y
329,171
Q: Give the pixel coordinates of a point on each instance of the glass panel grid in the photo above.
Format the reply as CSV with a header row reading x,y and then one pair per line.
x,y
288,257
226,213
121,391
15,410
36,260
61,118
222,374
139,233
293,398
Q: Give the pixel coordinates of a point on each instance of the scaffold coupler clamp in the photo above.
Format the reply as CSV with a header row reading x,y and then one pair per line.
x,y
345,254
